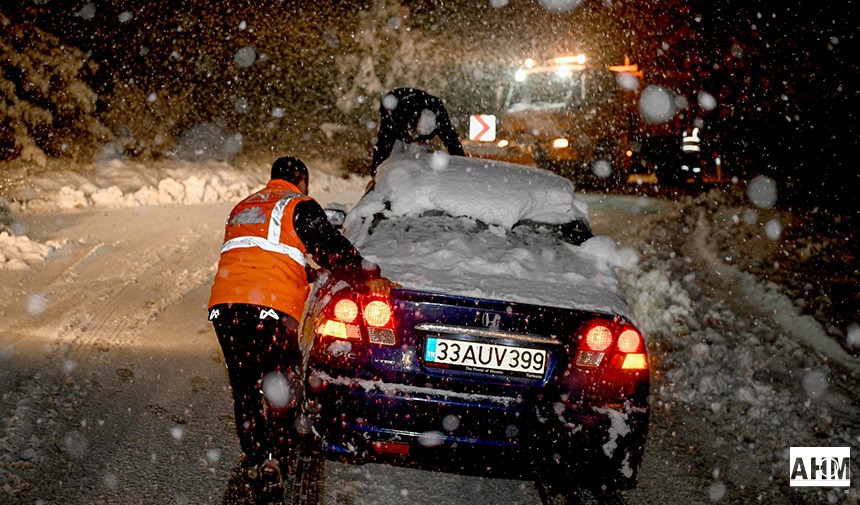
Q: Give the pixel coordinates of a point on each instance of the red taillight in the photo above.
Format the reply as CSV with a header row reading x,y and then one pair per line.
x,y
632,347
340,321
628,352
379,318
629,341
598,338
346,310
377,313
348,318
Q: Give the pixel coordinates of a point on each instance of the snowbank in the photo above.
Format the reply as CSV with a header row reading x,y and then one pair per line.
x,y
763,375
119,184
19,252
115,184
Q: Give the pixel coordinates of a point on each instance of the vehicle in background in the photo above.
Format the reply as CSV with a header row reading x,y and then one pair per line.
x,y
508,348
565,115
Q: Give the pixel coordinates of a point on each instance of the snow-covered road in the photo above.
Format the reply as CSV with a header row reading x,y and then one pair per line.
x,y
113,389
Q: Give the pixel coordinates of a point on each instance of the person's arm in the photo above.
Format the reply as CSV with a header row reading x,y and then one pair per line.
x,y
444,128
329,248
448,135
384,143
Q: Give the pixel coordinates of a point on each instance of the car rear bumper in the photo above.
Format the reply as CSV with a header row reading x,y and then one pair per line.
x,y
363,421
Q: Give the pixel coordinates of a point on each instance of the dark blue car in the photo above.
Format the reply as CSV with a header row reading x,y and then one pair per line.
x,y
508,349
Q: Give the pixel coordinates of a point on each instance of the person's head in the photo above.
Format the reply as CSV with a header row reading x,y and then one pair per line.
x,y
412,112
292,170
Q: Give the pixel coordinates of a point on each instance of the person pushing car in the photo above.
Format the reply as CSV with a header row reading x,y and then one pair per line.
x,y
412,115
257,300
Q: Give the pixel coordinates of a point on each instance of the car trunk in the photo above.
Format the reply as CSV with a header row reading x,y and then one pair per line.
x,y
476,346
513,357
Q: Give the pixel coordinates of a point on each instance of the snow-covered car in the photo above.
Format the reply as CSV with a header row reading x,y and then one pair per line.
x,y
508,349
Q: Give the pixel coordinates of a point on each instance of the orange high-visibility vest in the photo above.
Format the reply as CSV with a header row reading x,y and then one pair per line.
x,y
262,259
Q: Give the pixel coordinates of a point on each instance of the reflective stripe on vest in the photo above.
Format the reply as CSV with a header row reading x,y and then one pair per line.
x,y
273,241
690,143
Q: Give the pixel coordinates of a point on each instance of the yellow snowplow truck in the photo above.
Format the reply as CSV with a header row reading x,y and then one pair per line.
x,y
565,115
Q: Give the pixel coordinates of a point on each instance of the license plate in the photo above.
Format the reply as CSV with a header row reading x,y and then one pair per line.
x,y
486,358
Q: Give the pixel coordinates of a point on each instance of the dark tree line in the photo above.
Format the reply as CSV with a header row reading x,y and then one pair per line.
x,y
273,76
48,108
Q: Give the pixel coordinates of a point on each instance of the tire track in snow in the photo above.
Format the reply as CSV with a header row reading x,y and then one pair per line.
x,y
82,303
93,298
803,329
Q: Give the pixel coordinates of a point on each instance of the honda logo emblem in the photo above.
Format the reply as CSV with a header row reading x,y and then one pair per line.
x,y
491,320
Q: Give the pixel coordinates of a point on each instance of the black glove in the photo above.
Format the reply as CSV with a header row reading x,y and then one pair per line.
x,y
311,274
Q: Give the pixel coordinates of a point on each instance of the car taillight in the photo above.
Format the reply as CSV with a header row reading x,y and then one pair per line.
x,y
631,351
379,318
622,344
345,319
377,313
629,341
341,322
598,338
633,362
346,310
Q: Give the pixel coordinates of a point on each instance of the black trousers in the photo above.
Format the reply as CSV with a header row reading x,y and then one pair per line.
x,y
261,350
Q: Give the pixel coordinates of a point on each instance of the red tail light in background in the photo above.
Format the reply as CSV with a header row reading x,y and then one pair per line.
x,y
602,340
345,319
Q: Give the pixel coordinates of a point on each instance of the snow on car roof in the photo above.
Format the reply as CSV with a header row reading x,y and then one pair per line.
x,y
473,249
492,192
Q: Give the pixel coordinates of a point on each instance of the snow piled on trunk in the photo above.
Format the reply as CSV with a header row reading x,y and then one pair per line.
x,y
478,228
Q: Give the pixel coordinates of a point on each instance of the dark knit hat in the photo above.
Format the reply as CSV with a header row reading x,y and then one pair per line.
x,y
289,169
